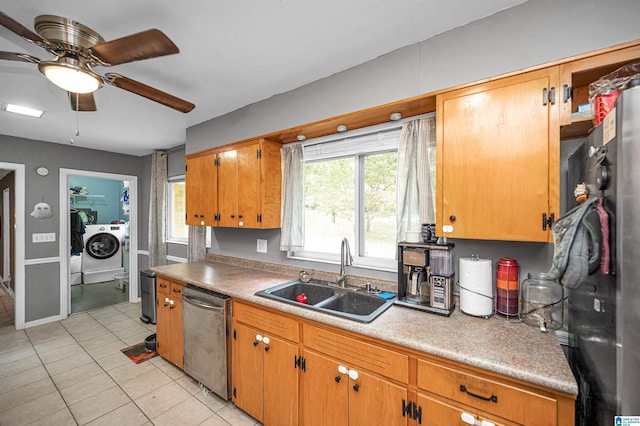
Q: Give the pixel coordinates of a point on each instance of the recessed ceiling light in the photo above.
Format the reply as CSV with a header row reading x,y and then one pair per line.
x,y
18,109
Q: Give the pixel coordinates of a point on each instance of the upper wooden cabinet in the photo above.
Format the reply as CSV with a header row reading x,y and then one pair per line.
x,y
575,77
497,173
245,190
201,186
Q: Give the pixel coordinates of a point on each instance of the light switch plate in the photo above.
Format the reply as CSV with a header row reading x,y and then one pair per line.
x,y
262,246
43,237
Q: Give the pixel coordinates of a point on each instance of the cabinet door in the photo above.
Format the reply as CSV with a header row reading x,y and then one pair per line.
x,y
325,392
247,370
228,188
436,412
373,400
177,334
248,183
163,327
497,167
201,190
280,382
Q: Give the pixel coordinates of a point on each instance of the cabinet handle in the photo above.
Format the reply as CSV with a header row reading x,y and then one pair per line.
x,y
255,343
337,379
266,349
356,387
492,398
176,290
452,218
233,216
163,285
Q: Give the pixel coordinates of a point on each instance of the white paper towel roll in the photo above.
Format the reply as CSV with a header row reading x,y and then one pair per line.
x,y
476,289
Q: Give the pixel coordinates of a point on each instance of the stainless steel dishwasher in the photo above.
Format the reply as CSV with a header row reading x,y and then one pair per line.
x,y
206,322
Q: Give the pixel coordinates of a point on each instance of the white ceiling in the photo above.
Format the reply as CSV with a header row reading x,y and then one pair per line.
x,y
232,53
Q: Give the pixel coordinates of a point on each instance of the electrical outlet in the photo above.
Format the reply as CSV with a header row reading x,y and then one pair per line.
x,y
262,246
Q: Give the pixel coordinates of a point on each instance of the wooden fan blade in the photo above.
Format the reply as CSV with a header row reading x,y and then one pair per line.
x,y
22,31
22,57
148,92
82,101
147,44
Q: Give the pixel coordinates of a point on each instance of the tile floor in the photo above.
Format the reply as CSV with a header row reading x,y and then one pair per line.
x,y
72,372
6,308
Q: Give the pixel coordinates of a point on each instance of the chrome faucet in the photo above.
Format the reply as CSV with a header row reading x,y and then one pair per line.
x,y
345,260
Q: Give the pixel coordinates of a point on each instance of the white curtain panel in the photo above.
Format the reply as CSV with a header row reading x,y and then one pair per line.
x,y
415,176
197,248
157,210
292,206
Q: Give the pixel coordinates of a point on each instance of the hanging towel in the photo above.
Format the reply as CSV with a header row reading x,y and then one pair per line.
x,y
605,257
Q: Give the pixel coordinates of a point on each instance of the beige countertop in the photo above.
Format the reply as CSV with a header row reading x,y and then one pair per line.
x,y
510,348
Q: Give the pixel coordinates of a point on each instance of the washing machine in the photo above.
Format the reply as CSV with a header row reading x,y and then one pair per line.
x,y
102,256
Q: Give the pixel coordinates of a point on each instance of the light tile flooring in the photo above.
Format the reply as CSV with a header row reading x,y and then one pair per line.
x,y
72,372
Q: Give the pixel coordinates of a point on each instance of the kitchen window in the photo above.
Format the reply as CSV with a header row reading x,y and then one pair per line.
x,y
350,191
177,229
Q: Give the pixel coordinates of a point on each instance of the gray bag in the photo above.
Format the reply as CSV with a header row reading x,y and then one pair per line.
x,y
576,245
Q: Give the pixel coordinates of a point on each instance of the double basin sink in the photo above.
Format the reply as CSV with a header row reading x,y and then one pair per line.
x,y
342,302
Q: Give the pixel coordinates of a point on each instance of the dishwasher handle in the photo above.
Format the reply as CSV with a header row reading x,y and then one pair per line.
x,y
202,305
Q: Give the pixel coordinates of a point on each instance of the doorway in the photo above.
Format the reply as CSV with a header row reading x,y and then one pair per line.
x,y
100,227
12,231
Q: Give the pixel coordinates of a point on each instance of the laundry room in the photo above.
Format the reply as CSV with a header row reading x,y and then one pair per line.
x,y
99,241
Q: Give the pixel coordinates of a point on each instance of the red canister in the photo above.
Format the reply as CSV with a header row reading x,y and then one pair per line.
x,y
507,286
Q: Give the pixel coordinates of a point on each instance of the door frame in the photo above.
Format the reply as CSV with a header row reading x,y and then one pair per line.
x,y
6,232
64,240
19,194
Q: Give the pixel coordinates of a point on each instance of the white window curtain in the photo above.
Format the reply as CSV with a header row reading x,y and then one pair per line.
x,y
157,210
292,207
416,175
197,247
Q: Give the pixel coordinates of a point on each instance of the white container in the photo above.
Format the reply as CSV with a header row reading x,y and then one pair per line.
x,y
412,237
476,287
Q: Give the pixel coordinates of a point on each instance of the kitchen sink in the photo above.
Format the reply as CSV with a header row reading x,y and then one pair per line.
x,y
339,301
354,303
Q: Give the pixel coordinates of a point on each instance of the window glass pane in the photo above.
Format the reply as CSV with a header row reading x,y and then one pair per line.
x,y
380,205
329,204
178,230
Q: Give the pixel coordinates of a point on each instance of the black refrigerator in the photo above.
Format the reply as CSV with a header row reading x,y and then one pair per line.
x,y
604,310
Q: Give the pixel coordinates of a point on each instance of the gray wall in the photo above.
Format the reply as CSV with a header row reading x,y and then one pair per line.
x,y
534,33
42,283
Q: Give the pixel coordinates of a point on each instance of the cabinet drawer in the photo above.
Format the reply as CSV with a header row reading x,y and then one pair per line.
x,y
356,353
164,286
268,322
510,402
176,290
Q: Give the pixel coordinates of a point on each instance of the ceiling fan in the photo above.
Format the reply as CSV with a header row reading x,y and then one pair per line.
x,y
77,49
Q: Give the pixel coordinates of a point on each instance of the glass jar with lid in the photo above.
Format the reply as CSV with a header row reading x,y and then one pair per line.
x,y
541,302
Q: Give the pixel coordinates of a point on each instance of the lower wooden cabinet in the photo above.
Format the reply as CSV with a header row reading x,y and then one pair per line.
x,y
437,412
332,393
348,379
169,331
264,370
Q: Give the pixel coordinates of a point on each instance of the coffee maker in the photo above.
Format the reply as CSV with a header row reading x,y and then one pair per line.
x,y
425,277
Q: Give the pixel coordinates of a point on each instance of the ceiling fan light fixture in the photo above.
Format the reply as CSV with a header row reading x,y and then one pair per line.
x,y
71,75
